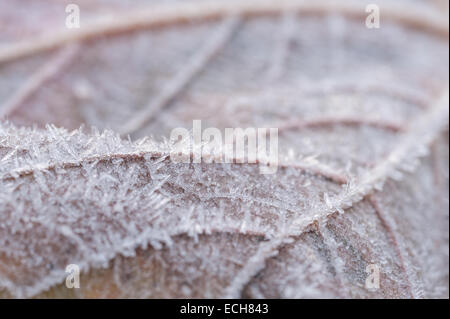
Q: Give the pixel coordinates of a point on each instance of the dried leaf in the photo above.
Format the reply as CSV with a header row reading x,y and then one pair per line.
x,y
362,116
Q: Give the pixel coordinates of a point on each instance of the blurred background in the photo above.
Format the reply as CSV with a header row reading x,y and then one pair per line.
x,y
260,71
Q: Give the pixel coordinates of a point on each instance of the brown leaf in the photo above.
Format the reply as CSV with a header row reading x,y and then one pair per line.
x,y
362,116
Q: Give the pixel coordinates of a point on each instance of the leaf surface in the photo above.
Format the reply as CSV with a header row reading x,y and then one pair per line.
x,y
362,116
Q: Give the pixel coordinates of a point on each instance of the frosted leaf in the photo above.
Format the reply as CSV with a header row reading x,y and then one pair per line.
x,y
363,147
